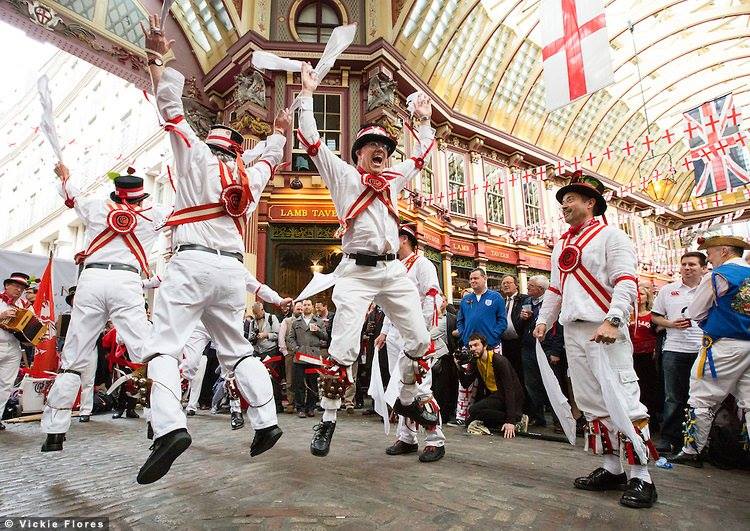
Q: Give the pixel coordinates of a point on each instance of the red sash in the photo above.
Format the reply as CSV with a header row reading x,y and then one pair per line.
x,y
121,221
234,201
570,263
376,187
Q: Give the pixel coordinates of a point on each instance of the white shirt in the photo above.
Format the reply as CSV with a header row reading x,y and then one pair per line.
x,y
5,336
670,302
705,297
510,331
266,293
94,211
374,231
608,257
307,319
196,173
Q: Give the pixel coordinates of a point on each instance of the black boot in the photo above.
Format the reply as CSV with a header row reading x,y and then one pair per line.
x,y
601,479
131,414
321,441
54,442
238,421
2,426
401,448
149,432
639,494
84,418
165,450
430,454
416,412
265,439
683,458
118,414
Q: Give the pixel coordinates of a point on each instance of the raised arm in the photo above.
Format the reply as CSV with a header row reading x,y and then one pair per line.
x,y
261,172
330,166
425,143
71,194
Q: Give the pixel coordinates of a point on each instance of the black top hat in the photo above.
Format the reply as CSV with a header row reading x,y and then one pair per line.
x,y
410,231
128,188
225,139
18,278
585,185
70,295
369,133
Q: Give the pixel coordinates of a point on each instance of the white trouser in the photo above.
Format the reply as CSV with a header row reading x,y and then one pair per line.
x,y
10,361
101,295
582,352
388,286
88,376
732,362
193,366
203,286
407,429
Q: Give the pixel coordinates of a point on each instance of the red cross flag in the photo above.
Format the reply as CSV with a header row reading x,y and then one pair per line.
x,y
575,49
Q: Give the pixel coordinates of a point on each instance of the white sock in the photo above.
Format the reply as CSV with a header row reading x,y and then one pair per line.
x,y
640,472
612,464
329,415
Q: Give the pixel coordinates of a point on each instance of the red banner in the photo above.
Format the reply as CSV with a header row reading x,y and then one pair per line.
x,y
46,358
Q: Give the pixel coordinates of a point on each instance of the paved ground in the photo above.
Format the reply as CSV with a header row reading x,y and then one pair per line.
x,y
484,482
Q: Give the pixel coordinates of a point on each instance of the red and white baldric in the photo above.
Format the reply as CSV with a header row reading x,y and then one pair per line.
x,y
376,187
121,221
569,263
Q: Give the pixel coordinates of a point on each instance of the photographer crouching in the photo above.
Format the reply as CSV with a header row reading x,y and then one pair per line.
x,y
500,390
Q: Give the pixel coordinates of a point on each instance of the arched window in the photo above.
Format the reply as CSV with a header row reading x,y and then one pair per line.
x,y
315,21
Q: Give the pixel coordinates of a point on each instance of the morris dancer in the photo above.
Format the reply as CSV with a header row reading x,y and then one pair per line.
x,y
722,306
592,290
10,346
424,276
366,200
122,231
205,277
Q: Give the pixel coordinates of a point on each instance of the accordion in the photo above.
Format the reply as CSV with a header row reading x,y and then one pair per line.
x,y
25,326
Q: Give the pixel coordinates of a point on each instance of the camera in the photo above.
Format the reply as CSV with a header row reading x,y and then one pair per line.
x,y
463,356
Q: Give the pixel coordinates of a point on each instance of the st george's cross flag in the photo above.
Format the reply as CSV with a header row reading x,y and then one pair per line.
x,y
720,160
575,49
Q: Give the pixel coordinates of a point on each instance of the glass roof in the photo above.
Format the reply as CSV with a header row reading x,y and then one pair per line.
x,y
483,57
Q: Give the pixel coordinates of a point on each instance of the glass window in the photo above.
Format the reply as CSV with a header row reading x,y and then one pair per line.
x,y
123,17
495,175
427,177
327,111
532,209
85,8
316,21
456,182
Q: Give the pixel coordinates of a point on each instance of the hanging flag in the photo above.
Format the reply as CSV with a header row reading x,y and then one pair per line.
x,y
575,49
46,358
719,160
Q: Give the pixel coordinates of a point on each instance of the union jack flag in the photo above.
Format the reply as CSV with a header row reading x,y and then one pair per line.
x,y
719,160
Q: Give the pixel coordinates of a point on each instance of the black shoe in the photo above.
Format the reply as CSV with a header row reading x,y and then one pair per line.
x,y
84,418
2,426
54,442
265,439
190,412
416,412
693,460
131,414
321,441
118,414
149,432
639,494
430,454
165,450
238,421
401,448
601,479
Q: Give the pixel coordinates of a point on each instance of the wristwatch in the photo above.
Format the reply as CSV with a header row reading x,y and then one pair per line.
x,y
614,321
156,61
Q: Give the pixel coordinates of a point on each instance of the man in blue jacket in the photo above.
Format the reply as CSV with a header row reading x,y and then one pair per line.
x,y
481,312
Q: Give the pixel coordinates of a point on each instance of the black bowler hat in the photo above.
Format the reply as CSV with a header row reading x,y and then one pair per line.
x,y
18,278
369,133
585,185
225,139
128,188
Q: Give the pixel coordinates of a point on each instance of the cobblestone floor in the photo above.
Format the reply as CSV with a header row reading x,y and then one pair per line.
x,y
483,482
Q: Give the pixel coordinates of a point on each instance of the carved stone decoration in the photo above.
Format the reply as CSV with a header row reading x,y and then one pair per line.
x,y
393,129
43,15
381,92
200,117
248,124
251,88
